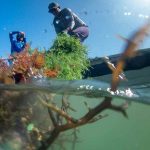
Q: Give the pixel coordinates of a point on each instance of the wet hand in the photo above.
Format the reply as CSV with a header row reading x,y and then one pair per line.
x,y
23,33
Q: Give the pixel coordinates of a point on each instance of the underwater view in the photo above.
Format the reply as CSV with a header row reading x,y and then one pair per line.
x,y
75,75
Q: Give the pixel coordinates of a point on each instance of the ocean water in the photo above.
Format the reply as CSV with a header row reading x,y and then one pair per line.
x,y
113,132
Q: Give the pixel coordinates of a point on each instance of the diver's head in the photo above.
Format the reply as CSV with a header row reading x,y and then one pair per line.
x,y
54,8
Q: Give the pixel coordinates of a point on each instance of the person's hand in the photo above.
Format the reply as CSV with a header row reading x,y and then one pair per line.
x,y
65,32
23,33
10,57
69,30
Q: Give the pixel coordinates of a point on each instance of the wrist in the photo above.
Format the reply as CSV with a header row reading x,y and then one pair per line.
x,y
69,28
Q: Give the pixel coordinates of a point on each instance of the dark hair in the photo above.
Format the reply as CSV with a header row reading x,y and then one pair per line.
x,y
19,36
52,6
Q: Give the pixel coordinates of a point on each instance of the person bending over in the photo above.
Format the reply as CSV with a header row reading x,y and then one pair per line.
x,y
66,21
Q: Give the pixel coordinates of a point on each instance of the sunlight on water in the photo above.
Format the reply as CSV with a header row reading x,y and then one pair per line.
x,y
86,88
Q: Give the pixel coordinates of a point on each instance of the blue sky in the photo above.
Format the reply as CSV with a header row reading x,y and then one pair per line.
x,y
105,18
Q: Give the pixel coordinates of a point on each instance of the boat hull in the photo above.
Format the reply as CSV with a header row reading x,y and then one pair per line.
x,y
137,69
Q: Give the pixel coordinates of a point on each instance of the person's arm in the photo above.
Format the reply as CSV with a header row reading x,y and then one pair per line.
x,y
57,29
25,42
69,18
11,35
